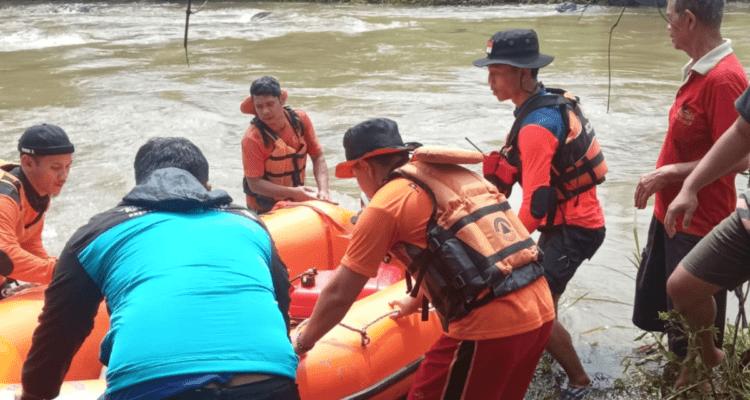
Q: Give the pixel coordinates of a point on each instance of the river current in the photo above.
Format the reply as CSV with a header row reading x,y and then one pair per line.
x,y
113,74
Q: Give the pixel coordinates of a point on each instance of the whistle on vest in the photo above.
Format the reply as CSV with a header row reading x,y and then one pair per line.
x,y
499,172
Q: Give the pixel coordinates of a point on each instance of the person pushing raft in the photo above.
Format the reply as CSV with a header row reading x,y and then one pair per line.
x,y
469,254
25,192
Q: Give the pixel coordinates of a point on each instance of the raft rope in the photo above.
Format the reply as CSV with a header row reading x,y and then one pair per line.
x,y
362,332
12,287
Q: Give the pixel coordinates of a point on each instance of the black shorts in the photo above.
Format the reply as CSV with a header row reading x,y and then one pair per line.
x,y
565,247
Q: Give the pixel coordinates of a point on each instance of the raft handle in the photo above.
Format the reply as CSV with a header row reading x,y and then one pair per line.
x,y
308,277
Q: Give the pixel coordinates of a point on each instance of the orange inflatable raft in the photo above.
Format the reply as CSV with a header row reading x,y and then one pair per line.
x,y
368,356
18,319
308,235
312,234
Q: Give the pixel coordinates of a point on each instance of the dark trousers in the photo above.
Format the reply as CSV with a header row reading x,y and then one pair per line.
x,y
271,389
659,259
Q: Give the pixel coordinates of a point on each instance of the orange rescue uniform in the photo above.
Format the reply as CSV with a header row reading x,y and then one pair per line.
x,y
398,213
22,210
256,156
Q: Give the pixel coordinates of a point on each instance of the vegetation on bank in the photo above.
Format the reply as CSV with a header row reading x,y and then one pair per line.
x,y
653,370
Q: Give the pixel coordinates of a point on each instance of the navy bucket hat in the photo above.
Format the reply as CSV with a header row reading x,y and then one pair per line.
x,y
516,47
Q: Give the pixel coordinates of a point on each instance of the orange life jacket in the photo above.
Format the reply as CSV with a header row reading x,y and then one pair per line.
x,y
285,166
10,185
578,164
477,248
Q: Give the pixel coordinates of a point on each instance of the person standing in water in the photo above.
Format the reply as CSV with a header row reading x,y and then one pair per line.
x,y
275,149
702,111
553,154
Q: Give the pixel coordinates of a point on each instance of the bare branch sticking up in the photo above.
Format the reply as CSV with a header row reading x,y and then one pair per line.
x,y
187,24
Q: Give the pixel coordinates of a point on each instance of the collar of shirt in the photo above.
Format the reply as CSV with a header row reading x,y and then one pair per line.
x,y
707,62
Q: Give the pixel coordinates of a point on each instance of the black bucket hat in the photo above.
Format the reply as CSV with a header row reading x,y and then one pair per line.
x,y
371,138
45,139
516,47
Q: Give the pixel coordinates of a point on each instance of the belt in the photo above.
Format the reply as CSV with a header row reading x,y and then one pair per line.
x,y
239,380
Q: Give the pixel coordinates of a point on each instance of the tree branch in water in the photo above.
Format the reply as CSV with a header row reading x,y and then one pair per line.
x,y
187,24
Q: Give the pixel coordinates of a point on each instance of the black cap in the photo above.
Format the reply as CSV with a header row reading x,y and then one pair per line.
x,y
369,139
45,139
516,47
266,85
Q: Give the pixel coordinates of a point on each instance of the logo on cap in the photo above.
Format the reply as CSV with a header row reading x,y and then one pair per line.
x,y
489,47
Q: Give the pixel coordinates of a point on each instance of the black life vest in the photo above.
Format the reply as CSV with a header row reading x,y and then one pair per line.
x,y
578,164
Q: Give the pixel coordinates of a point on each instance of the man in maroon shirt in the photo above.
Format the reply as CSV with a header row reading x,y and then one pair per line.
x,y
703,109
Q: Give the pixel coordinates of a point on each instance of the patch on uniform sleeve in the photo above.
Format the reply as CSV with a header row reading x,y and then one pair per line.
x,y
6,264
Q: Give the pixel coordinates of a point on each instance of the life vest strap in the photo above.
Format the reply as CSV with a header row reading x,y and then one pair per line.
x,y
587,167
267,175
508,251
264,203
295,156
478,214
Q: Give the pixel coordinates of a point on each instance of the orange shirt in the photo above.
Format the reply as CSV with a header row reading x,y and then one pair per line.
x,y
399,212
255,153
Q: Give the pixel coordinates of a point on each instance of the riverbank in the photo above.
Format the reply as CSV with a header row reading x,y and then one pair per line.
x,y
569,5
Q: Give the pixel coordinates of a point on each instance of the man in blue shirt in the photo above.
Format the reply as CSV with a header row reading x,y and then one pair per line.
x,y
197,295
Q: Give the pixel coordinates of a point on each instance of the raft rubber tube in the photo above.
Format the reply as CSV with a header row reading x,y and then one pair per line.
x,y
383,368
373,357
18,319
301,230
